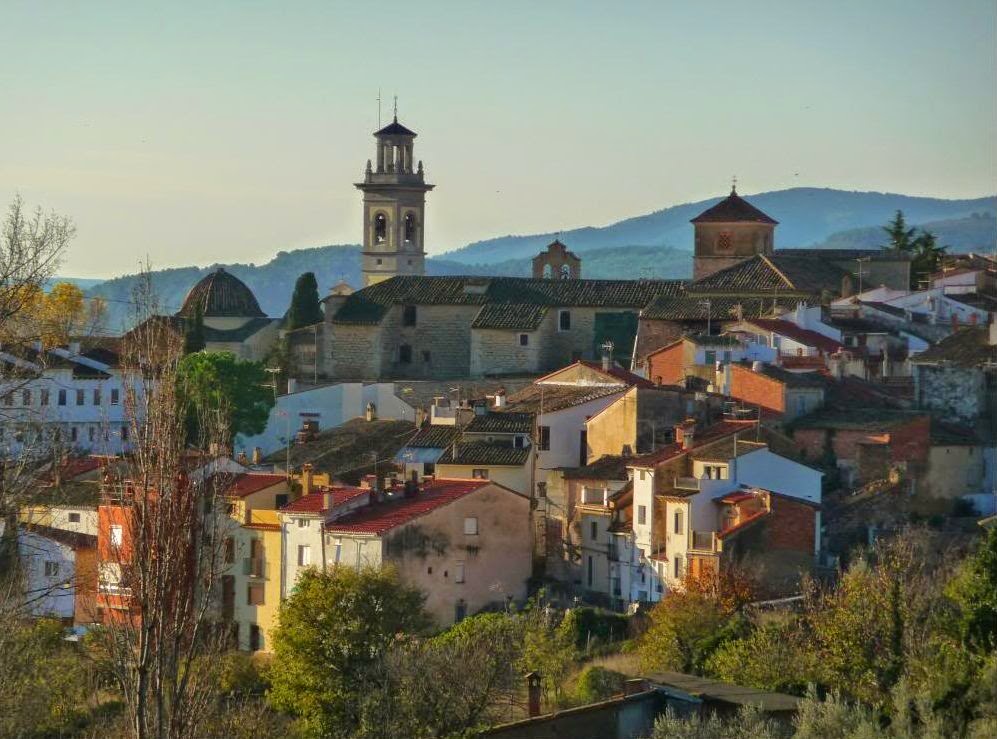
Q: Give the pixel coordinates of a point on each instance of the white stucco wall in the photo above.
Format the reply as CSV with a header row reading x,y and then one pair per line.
x,y
765,469
47,595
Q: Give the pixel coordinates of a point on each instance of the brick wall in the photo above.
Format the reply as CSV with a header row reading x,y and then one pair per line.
x,y
791,525
667,364
652,335
757,389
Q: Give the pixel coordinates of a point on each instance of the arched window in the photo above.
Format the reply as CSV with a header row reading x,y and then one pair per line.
x,y
548,272
565,271
380,228
409,228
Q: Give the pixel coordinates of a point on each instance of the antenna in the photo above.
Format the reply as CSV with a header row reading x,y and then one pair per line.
x,y
396,109
378,107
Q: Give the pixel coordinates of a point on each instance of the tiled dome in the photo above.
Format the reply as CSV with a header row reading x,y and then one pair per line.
x,y
220,294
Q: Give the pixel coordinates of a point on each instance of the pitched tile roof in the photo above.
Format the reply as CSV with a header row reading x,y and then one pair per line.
x,y
767,274
433,437
620,373
791,379
967,347
550,398
692,307
72,539
517,294
856,418
501,423
253,482
733,209
220,293
841,255
379,518
395,129
607,467
315,502
485,453
803,336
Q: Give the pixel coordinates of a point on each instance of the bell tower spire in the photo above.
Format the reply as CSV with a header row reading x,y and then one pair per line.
x,y
394,205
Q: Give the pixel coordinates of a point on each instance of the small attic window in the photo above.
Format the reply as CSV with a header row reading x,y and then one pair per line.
x,y
409,315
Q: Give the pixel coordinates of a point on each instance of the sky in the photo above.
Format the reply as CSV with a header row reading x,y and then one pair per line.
x,y
199,132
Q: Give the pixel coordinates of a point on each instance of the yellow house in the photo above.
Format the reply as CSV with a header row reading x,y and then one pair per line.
x,y
251,585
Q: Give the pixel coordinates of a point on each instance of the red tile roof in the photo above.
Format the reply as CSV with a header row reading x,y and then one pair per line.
x,y
800,335
621,374
379,518
736,497
76,466
742,524
700,438
315,502
253,482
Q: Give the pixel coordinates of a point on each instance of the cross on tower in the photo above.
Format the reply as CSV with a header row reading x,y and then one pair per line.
x,y
733,185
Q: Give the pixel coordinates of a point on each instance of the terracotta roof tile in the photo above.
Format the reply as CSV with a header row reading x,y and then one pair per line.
x,y
707,436
485,453
733,209
967,347
315,502
501,423
803,336
253,482
379,518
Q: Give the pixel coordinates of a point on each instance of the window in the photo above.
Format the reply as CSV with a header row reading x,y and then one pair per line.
x,y
51,568
524,339
229,550
459,573
404,354
564,320
409,227
711,357
96,396
116,535
304,555
380,261
74,518
92,433
338,550
678,522
255,638
642,515
548,272
479,474
380,228
471,526
114,396
280,500
643,475
544,438
43,396
726,357
429,468
678,566
80,397
425,356
565,271
460,611
62,397
541,490
25,397
254,595
593,530
408,315
590,571
74,434
519,442
303,523
124,433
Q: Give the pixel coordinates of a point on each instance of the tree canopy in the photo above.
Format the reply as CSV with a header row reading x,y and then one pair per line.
x,y
221,383
926,254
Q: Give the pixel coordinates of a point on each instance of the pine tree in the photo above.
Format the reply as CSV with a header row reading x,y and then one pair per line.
x,y
901,237
927,257
193,338
305,309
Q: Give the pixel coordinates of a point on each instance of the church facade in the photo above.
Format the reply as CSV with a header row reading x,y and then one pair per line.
x,y
403,324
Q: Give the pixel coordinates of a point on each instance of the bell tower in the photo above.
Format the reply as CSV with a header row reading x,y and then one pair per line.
x,y
394,206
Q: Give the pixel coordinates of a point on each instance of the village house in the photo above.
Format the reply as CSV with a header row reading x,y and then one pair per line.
x,y
465,543
691,503
697,356
775,390
60,572
958,376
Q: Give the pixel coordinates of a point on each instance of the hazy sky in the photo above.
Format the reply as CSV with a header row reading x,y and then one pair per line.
x,y
195,132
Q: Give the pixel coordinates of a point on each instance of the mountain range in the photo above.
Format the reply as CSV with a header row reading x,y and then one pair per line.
x,y
656,245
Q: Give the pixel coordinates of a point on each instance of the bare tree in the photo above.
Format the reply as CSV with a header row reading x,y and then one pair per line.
x,y
159,571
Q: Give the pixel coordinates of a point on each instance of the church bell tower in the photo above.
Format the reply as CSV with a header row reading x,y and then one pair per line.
x,y
394,206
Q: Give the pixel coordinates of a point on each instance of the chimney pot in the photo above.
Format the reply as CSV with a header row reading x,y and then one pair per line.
x,y
306,478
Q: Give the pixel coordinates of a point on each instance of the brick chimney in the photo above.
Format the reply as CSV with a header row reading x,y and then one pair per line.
x,y
992,332
327,501
533,692
500,398
685,433
306,478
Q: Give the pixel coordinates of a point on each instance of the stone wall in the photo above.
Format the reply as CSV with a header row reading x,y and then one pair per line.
x,y
352,352
954,391
497,352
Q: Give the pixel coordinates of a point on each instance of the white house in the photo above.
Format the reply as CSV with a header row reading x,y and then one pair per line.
x,y
49,560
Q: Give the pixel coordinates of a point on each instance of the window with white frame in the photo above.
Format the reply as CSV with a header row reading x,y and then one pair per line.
x,y
116,536
303,523
642,515
51,568
304,555
337,550
459,573
471,526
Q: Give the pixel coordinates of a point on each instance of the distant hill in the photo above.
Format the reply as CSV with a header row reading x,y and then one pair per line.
x,y
655,245
977,232
807,216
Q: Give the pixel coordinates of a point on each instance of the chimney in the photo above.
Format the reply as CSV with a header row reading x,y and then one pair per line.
x,y
292,385
757,366
257,455
74,347
370,412
685,433
327,501
992,332
500,398
607,356
306,478
533,691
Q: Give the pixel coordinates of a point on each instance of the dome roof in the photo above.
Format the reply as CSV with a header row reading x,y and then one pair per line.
x,y
221,294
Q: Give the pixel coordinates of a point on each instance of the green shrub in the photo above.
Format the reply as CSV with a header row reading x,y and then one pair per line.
x,y
597,683
595,624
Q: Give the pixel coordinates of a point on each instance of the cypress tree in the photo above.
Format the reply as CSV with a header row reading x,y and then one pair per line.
x,y
305,309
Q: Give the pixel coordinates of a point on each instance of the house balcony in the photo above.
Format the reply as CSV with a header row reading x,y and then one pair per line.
x,y
686,483
704,541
